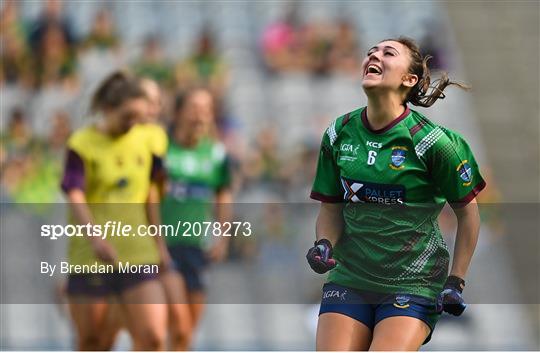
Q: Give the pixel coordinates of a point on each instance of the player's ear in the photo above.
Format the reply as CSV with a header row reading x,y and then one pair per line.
x,y
409,80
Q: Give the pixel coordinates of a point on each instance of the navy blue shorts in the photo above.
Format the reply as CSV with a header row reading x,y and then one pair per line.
x,y
191,262
105,284
369,308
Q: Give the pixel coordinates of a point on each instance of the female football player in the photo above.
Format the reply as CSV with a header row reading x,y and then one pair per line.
x,y
108,178
197,190
384,173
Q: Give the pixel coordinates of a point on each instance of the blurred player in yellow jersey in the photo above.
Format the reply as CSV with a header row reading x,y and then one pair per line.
x,y
108,176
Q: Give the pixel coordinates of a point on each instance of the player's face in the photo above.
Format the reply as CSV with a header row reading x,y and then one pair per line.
x,y
386,66
128,114
198,112
154,101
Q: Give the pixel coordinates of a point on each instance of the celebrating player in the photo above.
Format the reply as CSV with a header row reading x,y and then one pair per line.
x,y
107,178
197,189
384,173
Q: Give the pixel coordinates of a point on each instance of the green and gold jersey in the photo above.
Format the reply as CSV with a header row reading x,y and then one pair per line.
x,y
194,175
393,183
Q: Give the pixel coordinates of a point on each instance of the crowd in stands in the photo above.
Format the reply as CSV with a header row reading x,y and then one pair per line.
x,y
48,69
51,68
319,48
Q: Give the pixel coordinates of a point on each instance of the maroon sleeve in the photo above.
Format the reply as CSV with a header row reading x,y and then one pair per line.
x,y
157,172
73,172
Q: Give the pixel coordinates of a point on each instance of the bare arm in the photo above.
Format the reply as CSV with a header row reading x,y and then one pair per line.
x,y
466,238
152,205
82,214
77,202
223,209
330,222
224,205
154,218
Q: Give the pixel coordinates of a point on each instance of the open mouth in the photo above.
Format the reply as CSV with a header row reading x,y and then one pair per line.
x,y
373,69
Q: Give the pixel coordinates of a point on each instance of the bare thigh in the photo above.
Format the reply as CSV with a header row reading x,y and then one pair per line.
x,y
399,333
197,303
145,310
94,322
338,332
179,310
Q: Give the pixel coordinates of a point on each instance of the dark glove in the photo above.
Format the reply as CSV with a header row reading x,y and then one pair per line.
x,y
450,299
319,256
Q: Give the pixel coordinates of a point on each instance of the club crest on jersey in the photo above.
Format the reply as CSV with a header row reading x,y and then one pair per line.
x,y
402,301
398,157
464,170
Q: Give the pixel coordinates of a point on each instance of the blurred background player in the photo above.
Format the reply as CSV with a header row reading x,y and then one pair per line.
x,y
179,315
390,284
107,177
197,190
153,123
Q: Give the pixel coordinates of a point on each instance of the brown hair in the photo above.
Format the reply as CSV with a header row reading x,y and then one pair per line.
x,y
115,90
423,94
183,97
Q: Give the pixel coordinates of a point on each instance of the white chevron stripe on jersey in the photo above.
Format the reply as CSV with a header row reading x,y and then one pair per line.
x,y
418,264
331,132
428,141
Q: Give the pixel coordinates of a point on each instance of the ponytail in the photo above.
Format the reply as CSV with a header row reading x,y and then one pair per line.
x,y
424,93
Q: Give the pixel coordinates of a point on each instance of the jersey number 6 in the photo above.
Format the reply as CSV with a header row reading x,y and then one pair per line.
x,y
371,157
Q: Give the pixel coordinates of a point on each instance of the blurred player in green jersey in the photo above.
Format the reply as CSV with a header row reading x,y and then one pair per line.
x,y
384,173
197,190
109,177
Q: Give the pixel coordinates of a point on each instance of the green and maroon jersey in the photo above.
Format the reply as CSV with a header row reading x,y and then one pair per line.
x,y
393,183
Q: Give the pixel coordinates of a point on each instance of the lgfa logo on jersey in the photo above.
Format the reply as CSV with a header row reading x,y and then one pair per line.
x,y
346,147
465,172
398,157
349,152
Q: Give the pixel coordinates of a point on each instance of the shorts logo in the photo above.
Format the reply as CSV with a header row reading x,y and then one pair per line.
x,y
402,302
334,294
398,157
465,172
342,296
